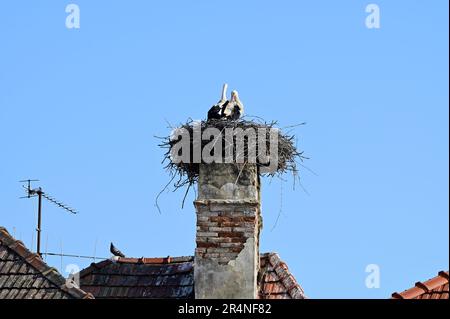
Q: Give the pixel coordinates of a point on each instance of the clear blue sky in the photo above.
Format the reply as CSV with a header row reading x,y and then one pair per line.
x,y
79,109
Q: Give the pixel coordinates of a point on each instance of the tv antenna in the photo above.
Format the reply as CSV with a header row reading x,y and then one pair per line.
x,y
39,193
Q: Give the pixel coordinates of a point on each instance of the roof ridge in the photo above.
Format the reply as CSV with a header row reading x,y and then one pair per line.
x,y
421,288
135,260
94,266
36,262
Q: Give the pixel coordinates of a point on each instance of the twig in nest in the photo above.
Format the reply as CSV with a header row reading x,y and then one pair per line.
x,y
289,157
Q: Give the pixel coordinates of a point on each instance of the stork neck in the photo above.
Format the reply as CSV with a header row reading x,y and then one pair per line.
x,y
224,92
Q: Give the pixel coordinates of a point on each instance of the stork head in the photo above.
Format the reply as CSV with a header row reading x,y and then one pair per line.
x,y
234,95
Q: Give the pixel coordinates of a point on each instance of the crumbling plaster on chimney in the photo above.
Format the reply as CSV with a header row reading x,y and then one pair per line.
x,y
228,191
232,278
228,181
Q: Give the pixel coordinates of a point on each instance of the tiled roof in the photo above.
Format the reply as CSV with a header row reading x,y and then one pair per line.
x,y
174,278
140,278
435,288
24,275
276,281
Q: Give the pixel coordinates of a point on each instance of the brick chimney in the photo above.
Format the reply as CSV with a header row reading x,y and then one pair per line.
x,y
228,226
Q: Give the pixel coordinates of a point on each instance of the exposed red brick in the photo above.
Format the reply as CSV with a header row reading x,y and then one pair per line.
x,y
238,239
227,214
206,244
207,224
221,219
231,234
230,224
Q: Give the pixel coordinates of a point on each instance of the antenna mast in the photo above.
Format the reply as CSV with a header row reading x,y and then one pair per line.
x,y
39,193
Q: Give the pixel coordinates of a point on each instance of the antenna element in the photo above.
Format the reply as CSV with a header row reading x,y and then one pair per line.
x,y
39,193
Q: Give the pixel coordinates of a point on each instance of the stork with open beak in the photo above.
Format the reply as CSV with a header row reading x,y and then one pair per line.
x,y
216,111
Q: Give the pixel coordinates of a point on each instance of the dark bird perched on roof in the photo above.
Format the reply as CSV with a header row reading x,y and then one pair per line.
x,y
234,109
216,111
115,251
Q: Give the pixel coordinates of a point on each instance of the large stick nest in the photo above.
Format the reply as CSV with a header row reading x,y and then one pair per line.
x,y
289,157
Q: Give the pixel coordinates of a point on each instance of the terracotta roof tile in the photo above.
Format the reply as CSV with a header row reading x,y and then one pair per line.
x,y
435,288
273,269
173,277
24,275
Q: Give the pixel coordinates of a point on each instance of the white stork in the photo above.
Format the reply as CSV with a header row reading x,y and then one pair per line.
x,y
216,111
235,108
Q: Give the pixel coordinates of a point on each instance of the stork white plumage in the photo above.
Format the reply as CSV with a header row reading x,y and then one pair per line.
x,y
216,111
235,108
239,106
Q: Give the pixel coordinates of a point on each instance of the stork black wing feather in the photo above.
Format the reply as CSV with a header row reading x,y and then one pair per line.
x,y
214,112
